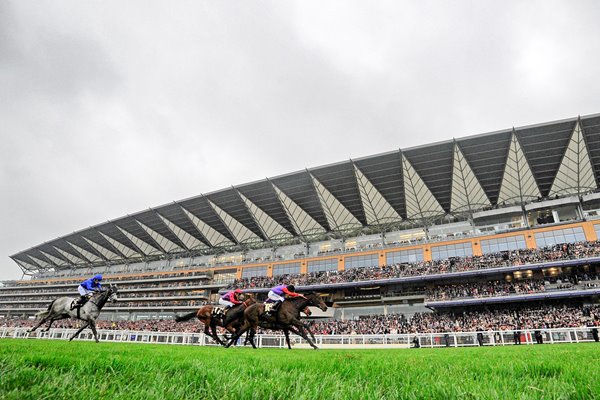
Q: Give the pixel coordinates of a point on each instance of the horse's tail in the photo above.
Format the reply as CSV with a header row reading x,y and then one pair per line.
x,y
186,317
42,314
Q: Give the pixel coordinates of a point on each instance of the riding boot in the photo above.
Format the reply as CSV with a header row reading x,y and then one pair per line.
x,y
274,309
80,302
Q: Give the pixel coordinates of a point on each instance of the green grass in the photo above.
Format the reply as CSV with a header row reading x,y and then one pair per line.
x,y
50,369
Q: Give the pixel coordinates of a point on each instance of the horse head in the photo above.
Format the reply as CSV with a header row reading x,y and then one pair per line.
x,y
249,299
112,293
314,299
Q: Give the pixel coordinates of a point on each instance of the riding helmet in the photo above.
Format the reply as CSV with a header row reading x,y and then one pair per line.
x,y
291,288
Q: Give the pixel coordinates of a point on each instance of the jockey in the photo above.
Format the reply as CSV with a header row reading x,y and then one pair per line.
x,y
278,293
87,288
230,298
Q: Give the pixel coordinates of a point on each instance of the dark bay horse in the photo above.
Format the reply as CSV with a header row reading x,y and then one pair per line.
x,y
231,322
286,319
61,309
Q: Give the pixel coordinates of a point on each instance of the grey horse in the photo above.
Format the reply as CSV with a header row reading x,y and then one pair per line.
x,y
61,309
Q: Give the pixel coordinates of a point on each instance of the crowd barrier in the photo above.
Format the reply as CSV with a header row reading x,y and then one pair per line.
x,y
425,340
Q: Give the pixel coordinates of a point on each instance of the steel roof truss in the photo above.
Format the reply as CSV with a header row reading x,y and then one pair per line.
x,y
420,202
377,209
303,223
338,216
90,257
189,241
126,251
518,183
239,231
106,253
167,244
73,259
41,263
467,193
144,247
214,237
269,227
575,174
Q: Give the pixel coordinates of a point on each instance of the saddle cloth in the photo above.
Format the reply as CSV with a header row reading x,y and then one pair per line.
x,y
269,307
219,311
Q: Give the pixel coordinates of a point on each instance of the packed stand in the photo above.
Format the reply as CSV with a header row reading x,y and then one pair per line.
x,y
454,264
484,289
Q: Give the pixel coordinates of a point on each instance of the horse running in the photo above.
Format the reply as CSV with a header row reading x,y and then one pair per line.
x,y
232,320
61,309
286,319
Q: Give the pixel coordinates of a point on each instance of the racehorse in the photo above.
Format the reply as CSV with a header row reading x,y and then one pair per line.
x,y
231,321
287,319
61,309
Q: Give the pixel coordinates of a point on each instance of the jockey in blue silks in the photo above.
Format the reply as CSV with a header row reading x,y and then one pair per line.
x,y
86,288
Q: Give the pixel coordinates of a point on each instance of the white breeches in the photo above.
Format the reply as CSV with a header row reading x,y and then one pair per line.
x,y
83,291
225,303
275,297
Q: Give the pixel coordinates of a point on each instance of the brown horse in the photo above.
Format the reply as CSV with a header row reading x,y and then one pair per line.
x,y
286,319
232,320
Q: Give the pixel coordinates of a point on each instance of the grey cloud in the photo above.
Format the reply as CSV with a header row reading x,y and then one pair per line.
x,y
109,108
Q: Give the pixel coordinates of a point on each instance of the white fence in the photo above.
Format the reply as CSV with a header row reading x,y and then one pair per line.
x,y
450,339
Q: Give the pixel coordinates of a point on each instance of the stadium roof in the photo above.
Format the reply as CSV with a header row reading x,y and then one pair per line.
x,y
413,185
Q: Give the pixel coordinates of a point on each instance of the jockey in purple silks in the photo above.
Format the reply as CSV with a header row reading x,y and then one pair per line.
x,y
230,298
278,293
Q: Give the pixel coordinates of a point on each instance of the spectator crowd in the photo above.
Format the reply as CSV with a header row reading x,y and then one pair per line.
x,y
538,317
566,251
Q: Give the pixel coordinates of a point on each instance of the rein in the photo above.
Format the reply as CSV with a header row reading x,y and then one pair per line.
x,y
103,299
246,303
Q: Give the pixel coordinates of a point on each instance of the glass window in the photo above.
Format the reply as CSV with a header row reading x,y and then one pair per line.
x,y
558,236
597,229
286,269
254,271
224,276
330,264
451,250
404,256
371,260
503,244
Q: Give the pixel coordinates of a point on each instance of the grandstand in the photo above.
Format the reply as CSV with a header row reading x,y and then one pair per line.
x,y
502,220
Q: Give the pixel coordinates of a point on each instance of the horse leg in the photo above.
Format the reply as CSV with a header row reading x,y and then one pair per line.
x,y
215,335
300,326
238,334
307,328
50,324
79,331
287,338
252,335
44,320
92,324
230,332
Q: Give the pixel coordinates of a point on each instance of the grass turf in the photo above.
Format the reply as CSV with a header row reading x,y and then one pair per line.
x,y
50,369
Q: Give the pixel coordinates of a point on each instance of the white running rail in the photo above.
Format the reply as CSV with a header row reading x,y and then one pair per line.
x,y
450,339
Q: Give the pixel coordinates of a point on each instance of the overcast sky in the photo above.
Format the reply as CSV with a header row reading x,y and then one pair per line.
x,y
108,108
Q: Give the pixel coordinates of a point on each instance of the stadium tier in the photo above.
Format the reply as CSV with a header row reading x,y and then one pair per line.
x,y
498,221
